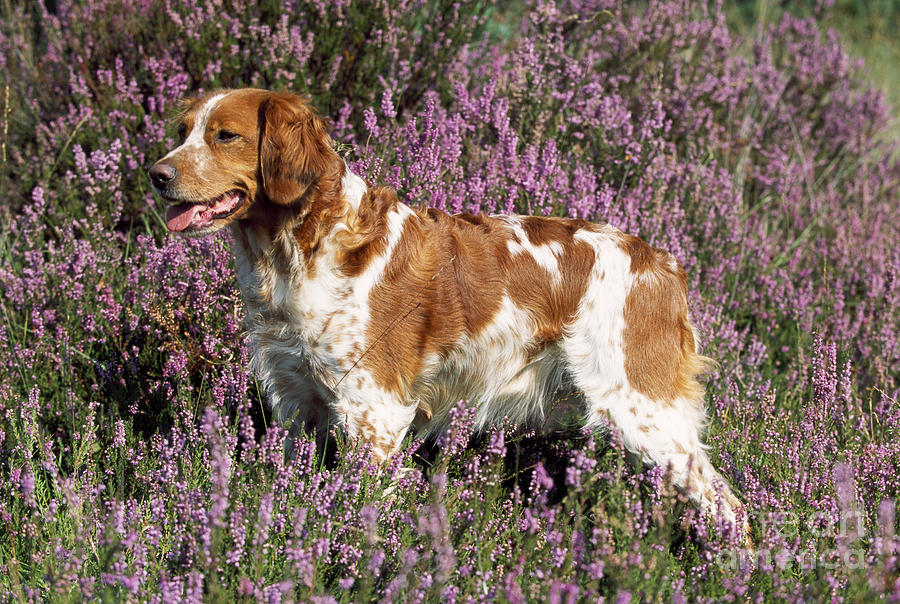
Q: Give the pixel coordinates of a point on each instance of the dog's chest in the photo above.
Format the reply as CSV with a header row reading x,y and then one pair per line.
x,y
305,326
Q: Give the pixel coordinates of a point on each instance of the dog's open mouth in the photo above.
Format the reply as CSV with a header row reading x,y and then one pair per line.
x,y
192,216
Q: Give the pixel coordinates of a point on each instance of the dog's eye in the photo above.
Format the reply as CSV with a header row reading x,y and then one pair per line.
x,y
182,131
225,136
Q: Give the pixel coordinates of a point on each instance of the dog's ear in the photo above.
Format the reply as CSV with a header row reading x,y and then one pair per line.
x,y
184,107
294,147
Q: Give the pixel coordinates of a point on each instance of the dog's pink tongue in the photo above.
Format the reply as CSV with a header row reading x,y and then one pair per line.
x,y
180,217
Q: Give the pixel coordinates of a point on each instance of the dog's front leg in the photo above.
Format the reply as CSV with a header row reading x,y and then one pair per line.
x,y
381,421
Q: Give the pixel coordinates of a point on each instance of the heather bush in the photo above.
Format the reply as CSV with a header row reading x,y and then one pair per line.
x,y
137,460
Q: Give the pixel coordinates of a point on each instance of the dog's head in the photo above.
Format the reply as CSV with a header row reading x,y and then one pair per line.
x,y
241,149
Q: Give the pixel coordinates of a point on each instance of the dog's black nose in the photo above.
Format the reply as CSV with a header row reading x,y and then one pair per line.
x,y
161,175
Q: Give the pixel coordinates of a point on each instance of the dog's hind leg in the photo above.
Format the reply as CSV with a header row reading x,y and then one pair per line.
x,y
663,432
667,435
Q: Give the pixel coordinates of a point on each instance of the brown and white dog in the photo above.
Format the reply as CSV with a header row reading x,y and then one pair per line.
x,y
371,315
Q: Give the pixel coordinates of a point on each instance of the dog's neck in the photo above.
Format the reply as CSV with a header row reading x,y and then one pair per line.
x,y
285,240
352,188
